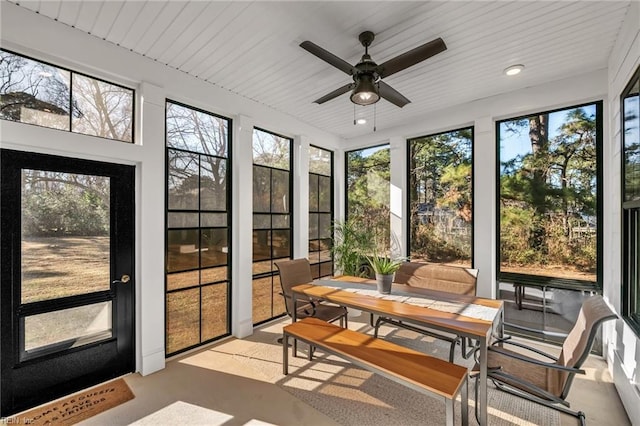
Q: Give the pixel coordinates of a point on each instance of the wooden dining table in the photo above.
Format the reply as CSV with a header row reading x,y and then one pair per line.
x,y
466,316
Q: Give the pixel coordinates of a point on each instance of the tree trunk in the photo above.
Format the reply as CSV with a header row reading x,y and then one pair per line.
x,y
539,136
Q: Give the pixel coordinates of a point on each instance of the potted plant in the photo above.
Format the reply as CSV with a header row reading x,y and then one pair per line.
x,y
385,269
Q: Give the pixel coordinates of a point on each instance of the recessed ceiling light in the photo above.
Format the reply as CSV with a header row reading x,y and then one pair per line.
x,y
514,69
361,121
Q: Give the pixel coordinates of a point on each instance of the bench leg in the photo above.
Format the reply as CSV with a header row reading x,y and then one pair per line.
x,y
448,404
464,401
285,354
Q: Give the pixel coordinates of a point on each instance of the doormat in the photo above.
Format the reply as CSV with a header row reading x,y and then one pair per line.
x,y
76,407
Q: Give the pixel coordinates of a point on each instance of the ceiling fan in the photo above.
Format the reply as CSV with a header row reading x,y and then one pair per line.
x,y
367,85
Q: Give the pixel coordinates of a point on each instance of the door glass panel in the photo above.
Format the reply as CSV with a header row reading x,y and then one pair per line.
x,y
65,234
71,327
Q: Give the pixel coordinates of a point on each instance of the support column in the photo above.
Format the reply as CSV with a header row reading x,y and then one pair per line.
x,y
300,174
398,196
150,187
242,227
484,206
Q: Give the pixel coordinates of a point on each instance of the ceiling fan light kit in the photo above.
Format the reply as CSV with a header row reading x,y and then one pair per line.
x,y
366,92
367,87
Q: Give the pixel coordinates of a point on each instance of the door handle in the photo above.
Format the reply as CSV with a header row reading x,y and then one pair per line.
x,y
123,279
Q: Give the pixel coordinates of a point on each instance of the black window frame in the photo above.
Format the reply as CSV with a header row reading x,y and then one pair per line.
x,y
630,228
71,73
408,181
546,280
228,211
319,211
274,275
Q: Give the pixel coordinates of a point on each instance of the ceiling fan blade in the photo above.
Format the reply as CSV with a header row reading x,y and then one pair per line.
x,y
411,57
328,57
335,93
391,94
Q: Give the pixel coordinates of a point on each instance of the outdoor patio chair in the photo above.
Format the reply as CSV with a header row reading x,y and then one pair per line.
x,y
298,271
433,276
548,382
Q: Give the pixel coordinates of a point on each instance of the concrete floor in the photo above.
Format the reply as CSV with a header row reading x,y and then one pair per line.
x,y
211,386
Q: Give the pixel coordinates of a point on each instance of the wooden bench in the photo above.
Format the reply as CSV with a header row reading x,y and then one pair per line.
x,y
434,276
414,369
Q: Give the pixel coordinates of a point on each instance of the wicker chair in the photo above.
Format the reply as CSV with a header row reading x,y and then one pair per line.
x,y
548,382
298,271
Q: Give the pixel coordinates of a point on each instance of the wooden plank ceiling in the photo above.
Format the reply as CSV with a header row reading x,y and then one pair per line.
x,y
251,48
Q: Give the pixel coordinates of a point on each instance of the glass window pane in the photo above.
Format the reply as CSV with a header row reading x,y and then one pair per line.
x,y
280,220
213,275
183,181
280,191
271,150
313,193
74,326
277,297
214,311
33,92
101,109
65,234
261,245
631,135
261,221
324,226
324,194
320,161
262,267
184,250
197,131
183,319
261,189
213,219
440,197
281,243
313,226
182,220
262,295
368,185
182,280
548,194
213,183
213,247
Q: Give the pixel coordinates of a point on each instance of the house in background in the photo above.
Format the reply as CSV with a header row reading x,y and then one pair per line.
x,y
192,227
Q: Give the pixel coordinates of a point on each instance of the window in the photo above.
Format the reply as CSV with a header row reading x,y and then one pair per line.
x,y
368,184
320,211
549,198
440,197
272,233
198,233
34,92
630,105
549,218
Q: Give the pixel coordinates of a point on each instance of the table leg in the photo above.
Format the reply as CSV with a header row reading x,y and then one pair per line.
x,y
294,318
482,384
285,354
464,402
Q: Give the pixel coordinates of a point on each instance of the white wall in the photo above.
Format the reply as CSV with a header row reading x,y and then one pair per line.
x,y
44,39
481,114
623,346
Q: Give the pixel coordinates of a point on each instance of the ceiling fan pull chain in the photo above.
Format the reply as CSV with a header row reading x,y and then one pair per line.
x,y
374,117
354,114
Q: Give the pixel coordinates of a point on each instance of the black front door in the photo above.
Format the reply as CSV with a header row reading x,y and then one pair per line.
x,y
66,280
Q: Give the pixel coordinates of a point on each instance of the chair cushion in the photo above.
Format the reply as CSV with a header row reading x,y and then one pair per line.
x,y
434,276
